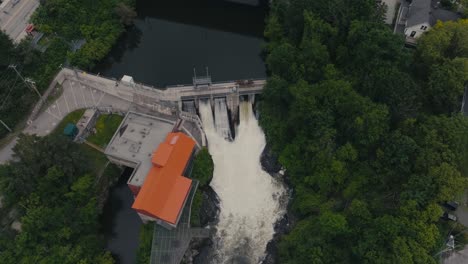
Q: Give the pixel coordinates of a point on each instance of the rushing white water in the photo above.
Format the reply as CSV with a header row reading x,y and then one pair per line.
x,y
249,197
221,120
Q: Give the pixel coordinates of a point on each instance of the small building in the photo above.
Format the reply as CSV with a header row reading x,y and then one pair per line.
x,y
418,16
70,130
87,122
165,190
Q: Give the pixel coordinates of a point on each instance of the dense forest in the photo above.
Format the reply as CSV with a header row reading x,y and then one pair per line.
x,y
53,189
370,131
100,23
64,22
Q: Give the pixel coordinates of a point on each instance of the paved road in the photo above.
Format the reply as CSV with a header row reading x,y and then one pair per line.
x,y
15,17
391,6
75,96
459,257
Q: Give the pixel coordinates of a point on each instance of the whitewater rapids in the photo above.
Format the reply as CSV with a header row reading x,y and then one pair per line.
x,y
249,197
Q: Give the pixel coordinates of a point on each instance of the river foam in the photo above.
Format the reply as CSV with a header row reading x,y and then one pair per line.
x,y
249,197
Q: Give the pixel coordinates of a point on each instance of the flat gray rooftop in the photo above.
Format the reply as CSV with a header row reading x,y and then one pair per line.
x,y
135,140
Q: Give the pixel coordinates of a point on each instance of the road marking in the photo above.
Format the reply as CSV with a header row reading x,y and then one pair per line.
x,y
100,98
58,107
50,113
92,96
74,96
82,94
66,102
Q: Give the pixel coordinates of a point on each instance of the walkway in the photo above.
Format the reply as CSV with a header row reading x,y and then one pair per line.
x,y
169,246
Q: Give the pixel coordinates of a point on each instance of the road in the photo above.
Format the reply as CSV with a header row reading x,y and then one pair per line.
x,y
459,257
390,14
15,17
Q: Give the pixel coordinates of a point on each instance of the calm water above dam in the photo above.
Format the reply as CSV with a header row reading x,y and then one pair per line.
x,y
171,38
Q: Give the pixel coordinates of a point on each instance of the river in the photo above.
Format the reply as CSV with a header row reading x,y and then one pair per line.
x,y
250,199
171,38
120,223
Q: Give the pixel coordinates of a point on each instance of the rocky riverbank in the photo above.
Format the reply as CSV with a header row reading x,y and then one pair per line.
x,y
199,251
270,164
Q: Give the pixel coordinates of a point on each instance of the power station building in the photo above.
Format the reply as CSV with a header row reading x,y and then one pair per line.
x,y
165,189
162,158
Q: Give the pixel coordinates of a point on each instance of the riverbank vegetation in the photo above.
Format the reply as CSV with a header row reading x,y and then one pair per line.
x,y
99,23
369,131
55,189
202,171
65,23
52,186
16,97
146,240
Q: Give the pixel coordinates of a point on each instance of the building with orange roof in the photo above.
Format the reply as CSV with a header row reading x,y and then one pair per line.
x,y
164,192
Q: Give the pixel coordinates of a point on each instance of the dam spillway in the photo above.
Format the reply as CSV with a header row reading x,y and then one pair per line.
x,y
222,118
249,197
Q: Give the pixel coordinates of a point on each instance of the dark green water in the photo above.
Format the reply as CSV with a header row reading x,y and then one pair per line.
x,y
170,39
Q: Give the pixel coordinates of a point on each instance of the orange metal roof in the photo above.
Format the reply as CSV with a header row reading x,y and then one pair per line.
x,y
165,190
161,154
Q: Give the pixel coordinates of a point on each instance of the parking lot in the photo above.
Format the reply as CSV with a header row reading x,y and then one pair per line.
x,y
74,96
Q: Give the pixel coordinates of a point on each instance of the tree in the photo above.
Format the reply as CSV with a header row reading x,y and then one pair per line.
x,y
6,49
445,41
446,85
126,14
369,138
203,167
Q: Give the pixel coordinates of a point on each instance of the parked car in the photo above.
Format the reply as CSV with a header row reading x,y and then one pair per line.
x,y
451,205
14,2
447,216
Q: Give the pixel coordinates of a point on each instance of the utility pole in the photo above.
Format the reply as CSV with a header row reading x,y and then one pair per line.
x,y
33,85
30,83
3,123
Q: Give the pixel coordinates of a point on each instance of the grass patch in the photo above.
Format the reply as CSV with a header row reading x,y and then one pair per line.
x,y
196,206
72,117
146,239
98,159
106,126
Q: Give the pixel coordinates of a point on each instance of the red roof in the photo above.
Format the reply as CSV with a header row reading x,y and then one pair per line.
x,y
165,189
29,28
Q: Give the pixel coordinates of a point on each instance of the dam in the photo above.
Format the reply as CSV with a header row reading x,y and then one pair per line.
x,y
217,115
178,101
